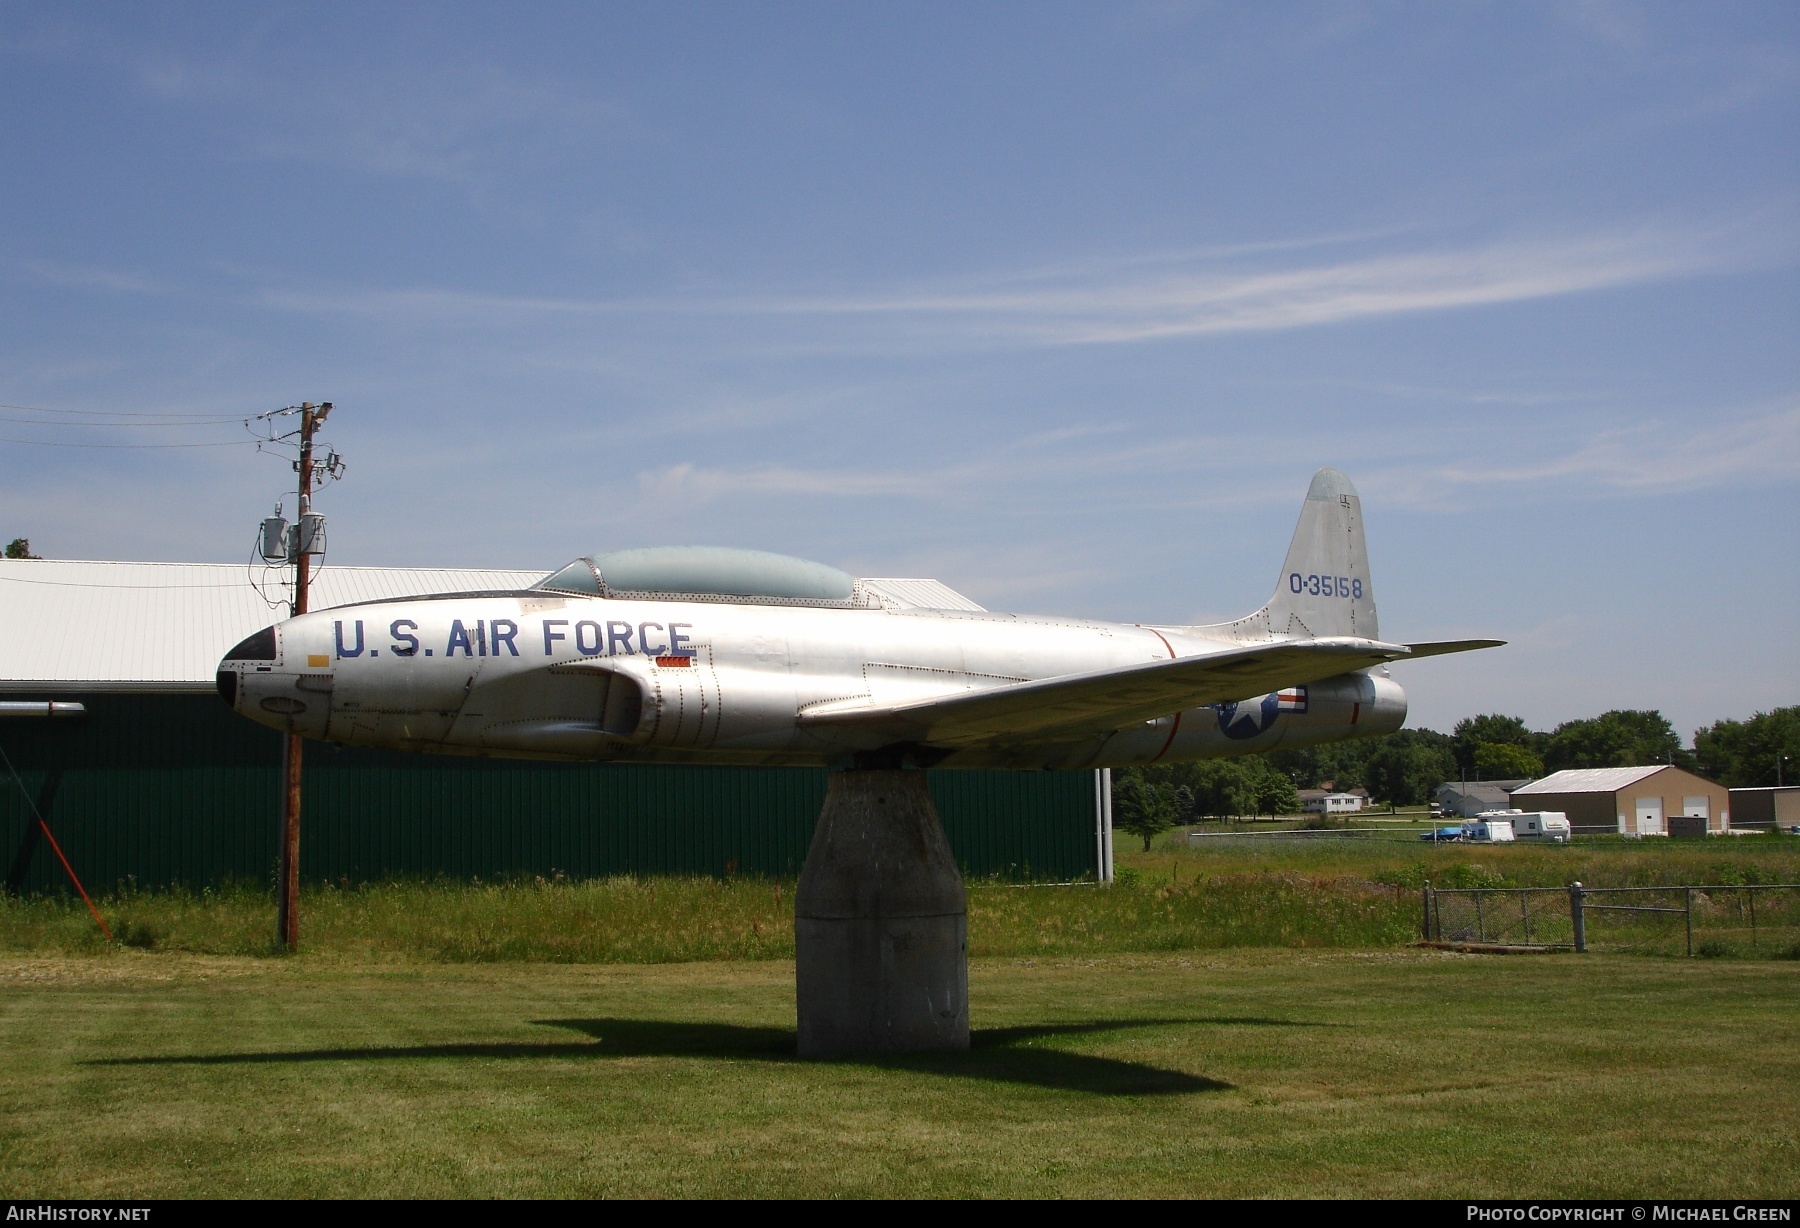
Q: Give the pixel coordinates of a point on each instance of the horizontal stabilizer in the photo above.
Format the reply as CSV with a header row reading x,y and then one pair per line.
x,y
1109,699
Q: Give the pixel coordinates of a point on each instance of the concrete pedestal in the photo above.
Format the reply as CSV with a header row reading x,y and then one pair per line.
x,y
880,924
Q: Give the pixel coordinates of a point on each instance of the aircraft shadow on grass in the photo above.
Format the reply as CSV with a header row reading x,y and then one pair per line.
x,y
1000,1055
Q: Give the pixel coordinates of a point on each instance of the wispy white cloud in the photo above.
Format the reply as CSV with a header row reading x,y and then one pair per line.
x,y
1141,298
1184,302
450,122
1444,394
997,473
1212,471
1138,299
452,125
90,277
688,484
1651,457
1710,451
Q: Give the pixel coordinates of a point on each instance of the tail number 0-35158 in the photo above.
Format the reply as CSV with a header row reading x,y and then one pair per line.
x,y
1326,586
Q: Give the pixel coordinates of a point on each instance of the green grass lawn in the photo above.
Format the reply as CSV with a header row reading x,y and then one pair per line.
x,y
1249,1072
1240,1018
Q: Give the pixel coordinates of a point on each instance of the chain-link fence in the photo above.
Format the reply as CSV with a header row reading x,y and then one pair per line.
x,y
1703,919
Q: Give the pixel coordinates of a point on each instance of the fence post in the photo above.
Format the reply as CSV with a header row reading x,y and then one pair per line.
x,y
1688,900
1427,899
1751,893
1577,917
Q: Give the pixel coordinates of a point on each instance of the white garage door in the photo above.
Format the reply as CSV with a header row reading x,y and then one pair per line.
x,y
1649,816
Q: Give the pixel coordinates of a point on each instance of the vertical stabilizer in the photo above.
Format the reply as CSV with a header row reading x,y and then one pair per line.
x,y
1324,587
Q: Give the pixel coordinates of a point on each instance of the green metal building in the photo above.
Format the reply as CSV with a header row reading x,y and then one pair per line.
x,y
156,782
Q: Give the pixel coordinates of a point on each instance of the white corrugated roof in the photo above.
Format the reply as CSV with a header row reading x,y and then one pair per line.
x,y
1590,780
164,626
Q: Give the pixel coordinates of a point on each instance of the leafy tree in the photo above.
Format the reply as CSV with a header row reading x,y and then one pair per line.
x,y
1620,738
1745,754
1506,761
1493,729
1275,793
19,548
1205,788
1409,765
1142,807
1344,764
1300,765
1222,788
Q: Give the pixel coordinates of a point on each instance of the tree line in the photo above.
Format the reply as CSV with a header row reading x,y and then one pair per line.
x,y
1406,768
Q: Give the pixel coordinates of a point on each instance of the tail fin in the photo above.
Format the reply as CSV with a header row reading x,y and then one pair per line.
x,y
1324,587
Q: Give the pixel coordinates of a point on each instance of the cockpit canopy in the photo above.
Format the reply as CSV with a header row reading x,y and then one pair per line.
x,y
707,573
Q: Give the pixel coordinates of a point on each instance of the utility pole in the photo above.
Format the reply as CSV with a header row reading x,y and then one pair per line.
x,y
287,913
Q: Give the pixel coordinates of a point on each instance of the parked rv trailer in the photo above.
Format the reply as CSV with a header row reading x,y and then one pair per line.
x,y
1484,830
1550,825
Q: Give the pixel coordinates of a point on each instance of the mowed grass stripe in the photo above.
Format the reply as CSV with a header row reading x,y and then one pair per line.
x,y
1245,1072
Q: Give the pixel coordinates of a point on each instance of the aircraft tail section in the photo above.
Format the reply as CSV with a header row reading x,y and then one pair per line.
x,y
1324,587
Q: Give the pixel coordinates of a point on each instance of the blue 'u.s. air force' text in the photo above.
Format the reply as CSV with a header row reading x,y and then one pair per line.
x,y
496,637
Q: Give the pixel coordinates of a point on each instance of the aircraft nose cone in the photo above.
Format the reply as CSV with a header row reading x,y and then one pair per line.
x,y
258,648
251,652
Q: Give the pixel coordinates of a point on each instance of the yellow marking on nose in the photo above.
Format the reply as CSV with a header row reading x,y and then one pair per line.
x,y
315,660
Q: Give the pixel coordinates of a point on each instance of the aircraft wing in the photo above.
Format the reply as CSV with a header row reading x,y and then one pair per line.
x,y
1448,646
1111,699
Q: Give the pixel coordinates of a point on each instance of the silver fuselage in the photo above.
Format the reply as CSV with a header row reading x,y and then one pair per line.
x,y
535,675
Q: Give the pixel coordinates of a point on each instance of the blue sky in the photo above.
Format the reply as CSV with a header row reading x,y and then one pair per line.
x,y
1062,304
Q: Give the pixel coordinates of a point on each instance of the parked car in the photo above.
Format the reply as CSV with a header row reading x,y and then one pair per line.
x,y
1442,834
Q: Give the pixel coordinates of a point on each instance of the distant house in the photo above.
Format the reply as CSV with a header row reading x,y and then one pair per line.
x,y
1325,801
1468,798
1635,801
1766,807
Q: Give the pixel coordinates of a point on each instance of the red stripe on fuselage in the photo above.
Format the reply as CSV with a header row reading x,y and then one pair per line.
x,y
1176,728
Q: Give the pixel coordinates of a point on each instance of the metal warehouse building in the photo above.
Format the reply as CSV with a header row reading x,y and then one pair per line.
x,y
156,782
1766,807
1634,801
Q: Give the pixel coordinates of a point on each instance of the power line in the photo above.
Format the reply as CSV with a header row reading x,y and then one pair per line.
x,y
51,443
122,413
122,426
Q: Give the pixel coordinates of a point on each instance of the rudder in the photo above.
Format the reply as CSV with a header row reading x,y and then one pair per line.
x,y
1324,587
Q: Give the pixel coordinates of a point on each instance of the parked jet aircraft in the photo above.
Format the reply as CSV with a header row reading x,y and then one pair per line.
x,y
709,655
